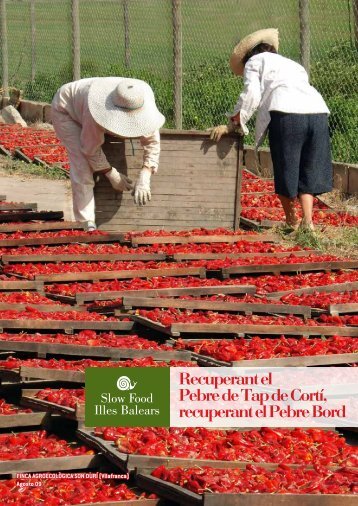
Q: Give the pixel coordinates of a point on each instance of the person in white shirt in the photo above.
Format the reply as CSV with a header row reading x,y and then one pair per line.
x,y
295,115
82,112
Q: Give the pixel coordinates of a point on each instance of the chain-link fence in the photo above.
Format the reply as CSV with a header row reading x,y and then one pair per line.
x,y
181,47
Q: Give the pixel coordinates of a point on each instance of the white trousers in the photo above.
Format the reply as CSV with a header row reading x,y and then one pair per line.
x,y
81,174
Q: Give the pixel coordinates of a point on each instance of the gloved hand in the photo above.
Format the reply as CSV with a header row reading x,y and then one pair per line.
x,y
119,181
217,132
141,190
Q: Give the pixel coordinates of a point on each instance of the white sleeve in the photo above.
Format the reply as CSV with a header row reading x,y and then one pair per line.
x,y
151,149
250,98
92,138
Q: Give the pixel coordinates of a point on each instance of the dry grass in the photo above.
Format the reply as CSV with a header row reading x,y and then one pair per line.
x,y
10,167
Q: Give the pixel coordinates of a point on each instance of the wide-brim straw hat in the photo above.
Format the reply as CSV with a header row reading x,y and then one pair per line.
x,y
266,36
124,106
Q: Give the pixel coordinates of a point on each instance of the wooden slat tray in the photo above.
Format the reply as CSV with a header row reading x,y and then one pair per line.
x,y
49,464
306,361
11,286
110,257
6,206
217,256
210,305
172,239
51,374
184,497
42,226
43,349
337,309
176,329
13,216
83,297
277,268
66,325
23,419
88,238
123,274
29,400
130,462
336,287
45,308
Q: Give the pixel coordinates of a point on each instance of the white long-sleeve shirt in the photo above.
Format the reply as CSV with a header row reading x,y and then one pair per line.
x,y
275,83
72,98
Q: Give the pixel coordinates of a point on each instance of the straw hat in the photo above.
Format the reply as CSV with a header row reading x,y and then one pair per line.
x,y
124,107
266,36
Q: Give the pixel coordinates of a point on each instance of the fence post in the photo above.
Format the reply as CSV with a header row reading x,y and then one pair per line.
x,y
127,48
76,47
33,39
305,34
4,50
178,74
355,18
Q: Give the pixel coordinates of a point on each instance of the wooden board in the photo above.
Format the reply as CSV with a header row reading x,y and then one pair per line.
x,y
123,274
49,464
88,238
13,216
210,305
205,239
23,419
51,374
29,400
83,297
45,308
179,257
215,328
7,206
306,361
298,267
42,226
64,325
184,497
110,257
11,286
337,309
336,287
44,349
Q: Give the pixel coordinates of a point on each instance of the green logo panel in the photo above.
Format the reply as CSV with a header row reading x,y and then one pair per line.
x,y
127,397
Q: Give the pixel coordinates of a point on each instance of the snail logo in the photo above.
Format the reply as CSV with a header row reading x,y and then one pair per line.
x,y
124,383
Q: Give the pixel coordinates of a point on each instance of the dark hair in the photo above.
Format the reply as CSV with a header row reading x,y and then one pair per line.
x,y
260,48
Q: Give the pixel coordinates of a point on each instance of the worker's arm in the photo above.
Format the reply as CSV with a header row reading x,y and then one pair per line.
x,y
92,138
250,98
151,151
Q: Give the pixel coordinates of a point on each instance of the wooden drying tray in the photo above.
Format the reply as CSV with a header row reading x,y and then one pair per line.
x,y
123,274
337,309
176,329
44,308
29,400
217,256
11,286
23,419
184,497
83,297
18,153
105,257
306,361
67,326
43,349
173,239
226,272
41,226
211,305
87,238
130,462
13,216
51,374
337,287
49,464
16,206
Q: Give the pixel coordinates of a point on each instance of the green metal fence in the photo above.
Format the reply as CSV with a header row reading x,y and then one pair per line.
x,y
181,47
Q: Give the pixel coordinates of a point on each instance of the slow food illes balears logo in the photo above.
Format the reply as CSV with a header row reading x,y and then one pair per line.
x,y
125,383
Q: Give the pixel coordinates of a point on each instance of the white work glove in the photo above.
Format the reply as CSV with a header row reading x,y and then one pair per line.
x,y
217,132
119,181
141,190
